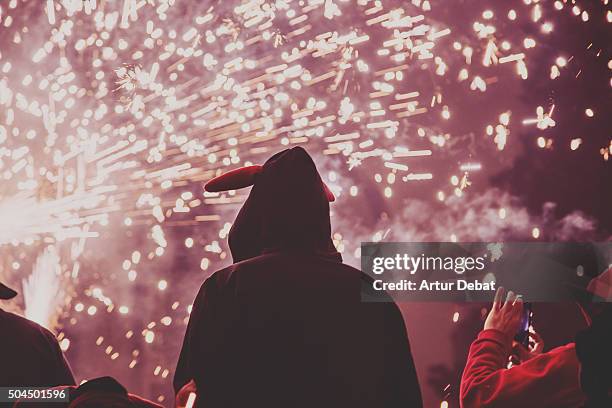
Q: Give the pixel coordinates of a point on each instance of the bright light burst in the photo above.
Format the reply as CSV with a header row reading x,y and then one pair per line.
x,y
41,290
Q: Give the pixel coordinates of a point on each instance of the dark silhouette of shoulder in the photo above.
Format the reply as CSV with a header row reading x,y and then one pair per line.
x,y
30,354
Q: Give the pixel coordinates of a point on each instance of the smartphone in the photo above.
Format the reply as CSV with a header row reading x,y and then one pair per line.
x,y
522,336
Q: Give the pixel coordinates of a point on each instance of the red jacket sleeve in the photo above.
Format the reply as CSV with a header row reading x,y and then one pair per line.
x,y
548,380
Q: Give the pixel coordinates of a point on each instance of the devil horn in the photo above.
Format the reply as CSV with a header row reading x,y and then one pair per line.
x,y
233,180
328,193
244,177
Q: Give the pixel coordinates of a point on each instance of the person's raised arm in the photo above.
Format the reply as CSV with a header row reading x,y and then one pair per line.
x,y
545,380
483,379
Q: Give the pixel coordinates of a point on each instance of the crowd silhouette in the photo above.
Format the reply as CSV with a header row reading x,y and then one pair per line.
x,y
285,326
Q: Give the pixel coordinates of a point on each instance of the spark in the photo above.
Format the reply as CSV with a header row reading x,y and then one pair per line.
x,y
42,288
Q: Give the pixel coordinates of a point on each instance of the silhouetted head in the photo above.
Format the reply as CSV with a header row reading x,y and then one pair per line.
x,y
287,208
587,263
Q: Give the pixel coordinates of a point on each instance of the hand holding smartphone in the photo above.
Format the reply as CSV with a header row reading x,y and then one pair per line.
x,y
522,336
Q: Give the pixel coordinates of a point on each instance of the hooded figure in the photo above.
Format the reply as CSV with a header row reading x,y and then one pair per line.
x,y
285,326
29,353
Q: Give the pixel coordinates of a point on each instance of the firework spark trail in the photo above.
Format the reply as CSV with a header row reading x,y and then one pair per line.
x,y
24,219
208,121
42,288
258,107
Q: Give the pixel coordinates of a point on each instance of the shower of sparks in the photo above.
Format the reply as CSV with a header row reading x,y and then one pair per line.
x,y
41,290
24,218
112,115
